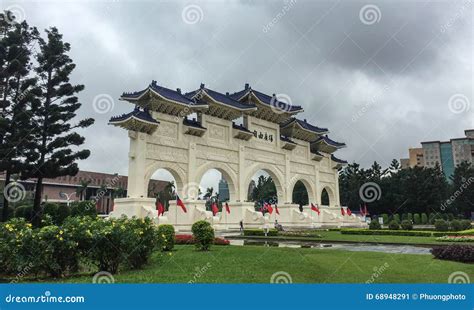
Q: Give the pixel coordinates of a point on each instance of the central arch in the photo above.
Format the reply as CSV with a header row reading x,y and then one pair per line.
x,y
276,176
173,168
229,175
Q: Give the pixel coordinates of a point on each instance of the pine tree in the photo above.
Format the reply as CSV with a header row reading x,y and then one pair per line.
x,y
18,93
55,138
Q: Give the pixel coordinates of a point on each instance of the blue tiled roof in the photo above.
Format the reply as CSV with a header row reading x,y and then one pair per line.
x,y
136,113
224,99
286,139
167,93
305,125
330,142
266,99
337,160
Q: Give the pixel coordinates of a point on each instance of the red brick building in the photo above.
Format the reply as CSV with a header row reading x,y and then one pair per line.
x,y
100,186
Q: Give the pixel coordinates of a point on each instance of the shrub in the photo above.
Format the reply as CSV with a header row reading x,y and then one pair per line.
x,y
416,233
424,219
434,217
404,216
455,225
140,243
13,235
407,225
455,252
58,212
25,212
10,213
456,239
374,225
203,234
416,218
450,216
396,218
166,237
385,218
83,208
81,228
260,232
441,225
393,225
410,217
465,224
59,253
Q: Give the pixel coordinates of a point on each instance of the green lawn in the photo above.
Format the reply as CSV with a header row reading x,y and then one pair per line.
x,y
256,264
327,236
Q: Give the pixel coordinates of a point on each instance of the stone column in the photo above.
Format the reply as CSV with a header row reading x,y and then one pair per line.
x,y
137,185
241,187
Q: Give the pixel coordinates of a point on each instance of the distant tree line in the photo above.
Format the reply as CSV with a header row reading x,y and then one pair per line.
x,y
415,190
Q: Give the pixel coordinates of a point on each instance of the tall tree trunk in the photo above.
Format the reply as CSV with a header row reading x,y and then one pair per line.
x,y
5,200
37,203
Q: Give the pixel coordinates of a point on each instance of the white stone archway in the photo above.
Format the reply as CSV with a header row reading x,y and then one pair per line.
x,y
269,139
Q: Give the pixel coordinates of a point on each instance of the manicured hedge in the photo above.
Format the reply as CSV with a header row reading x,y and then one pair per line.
x,y
189,239
419,233
386,232
260,232
455,252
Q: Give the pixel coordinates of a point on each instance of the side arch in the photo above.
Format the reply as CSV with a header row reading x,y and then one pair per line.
x,y
229,175
176,171
331,196
308,183
276,175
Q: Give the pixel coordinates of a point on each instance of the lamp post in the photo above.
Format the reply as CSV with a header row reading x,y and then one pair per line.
x,y
67,196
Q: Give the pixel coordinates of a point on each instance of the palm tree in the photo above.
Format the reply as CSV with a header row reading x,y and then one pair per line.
x,y
82,188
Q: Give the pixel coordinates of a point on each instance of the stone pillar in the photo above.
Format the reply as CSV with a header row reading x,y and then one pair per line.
x,y
287,181
241,188
137,185
318,188
190,184
336,182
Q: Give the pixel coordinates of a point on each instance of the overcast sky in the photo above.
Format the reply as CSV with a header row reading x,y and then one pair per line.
x,y
381,75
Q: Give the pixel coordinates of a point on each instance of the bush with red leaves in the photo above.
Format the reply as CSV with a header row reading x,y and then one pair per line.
x,y
189,239
455,252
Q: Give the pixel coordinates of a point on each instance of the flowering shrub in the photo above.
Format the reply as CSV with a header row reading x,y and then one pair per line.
x,y
14,237
141,241
165,237
59,253
203,234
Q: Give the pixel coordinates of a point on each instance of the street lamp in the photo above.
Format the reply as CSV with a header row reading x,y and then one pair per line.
x,y
67,196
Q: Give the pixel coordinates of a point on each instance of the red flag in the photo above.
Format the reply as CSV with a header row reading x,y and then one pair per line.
x,y
342,212
160,208
227,207
315,208
269,208
181,204
349,212
214,208
365,210
276,210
